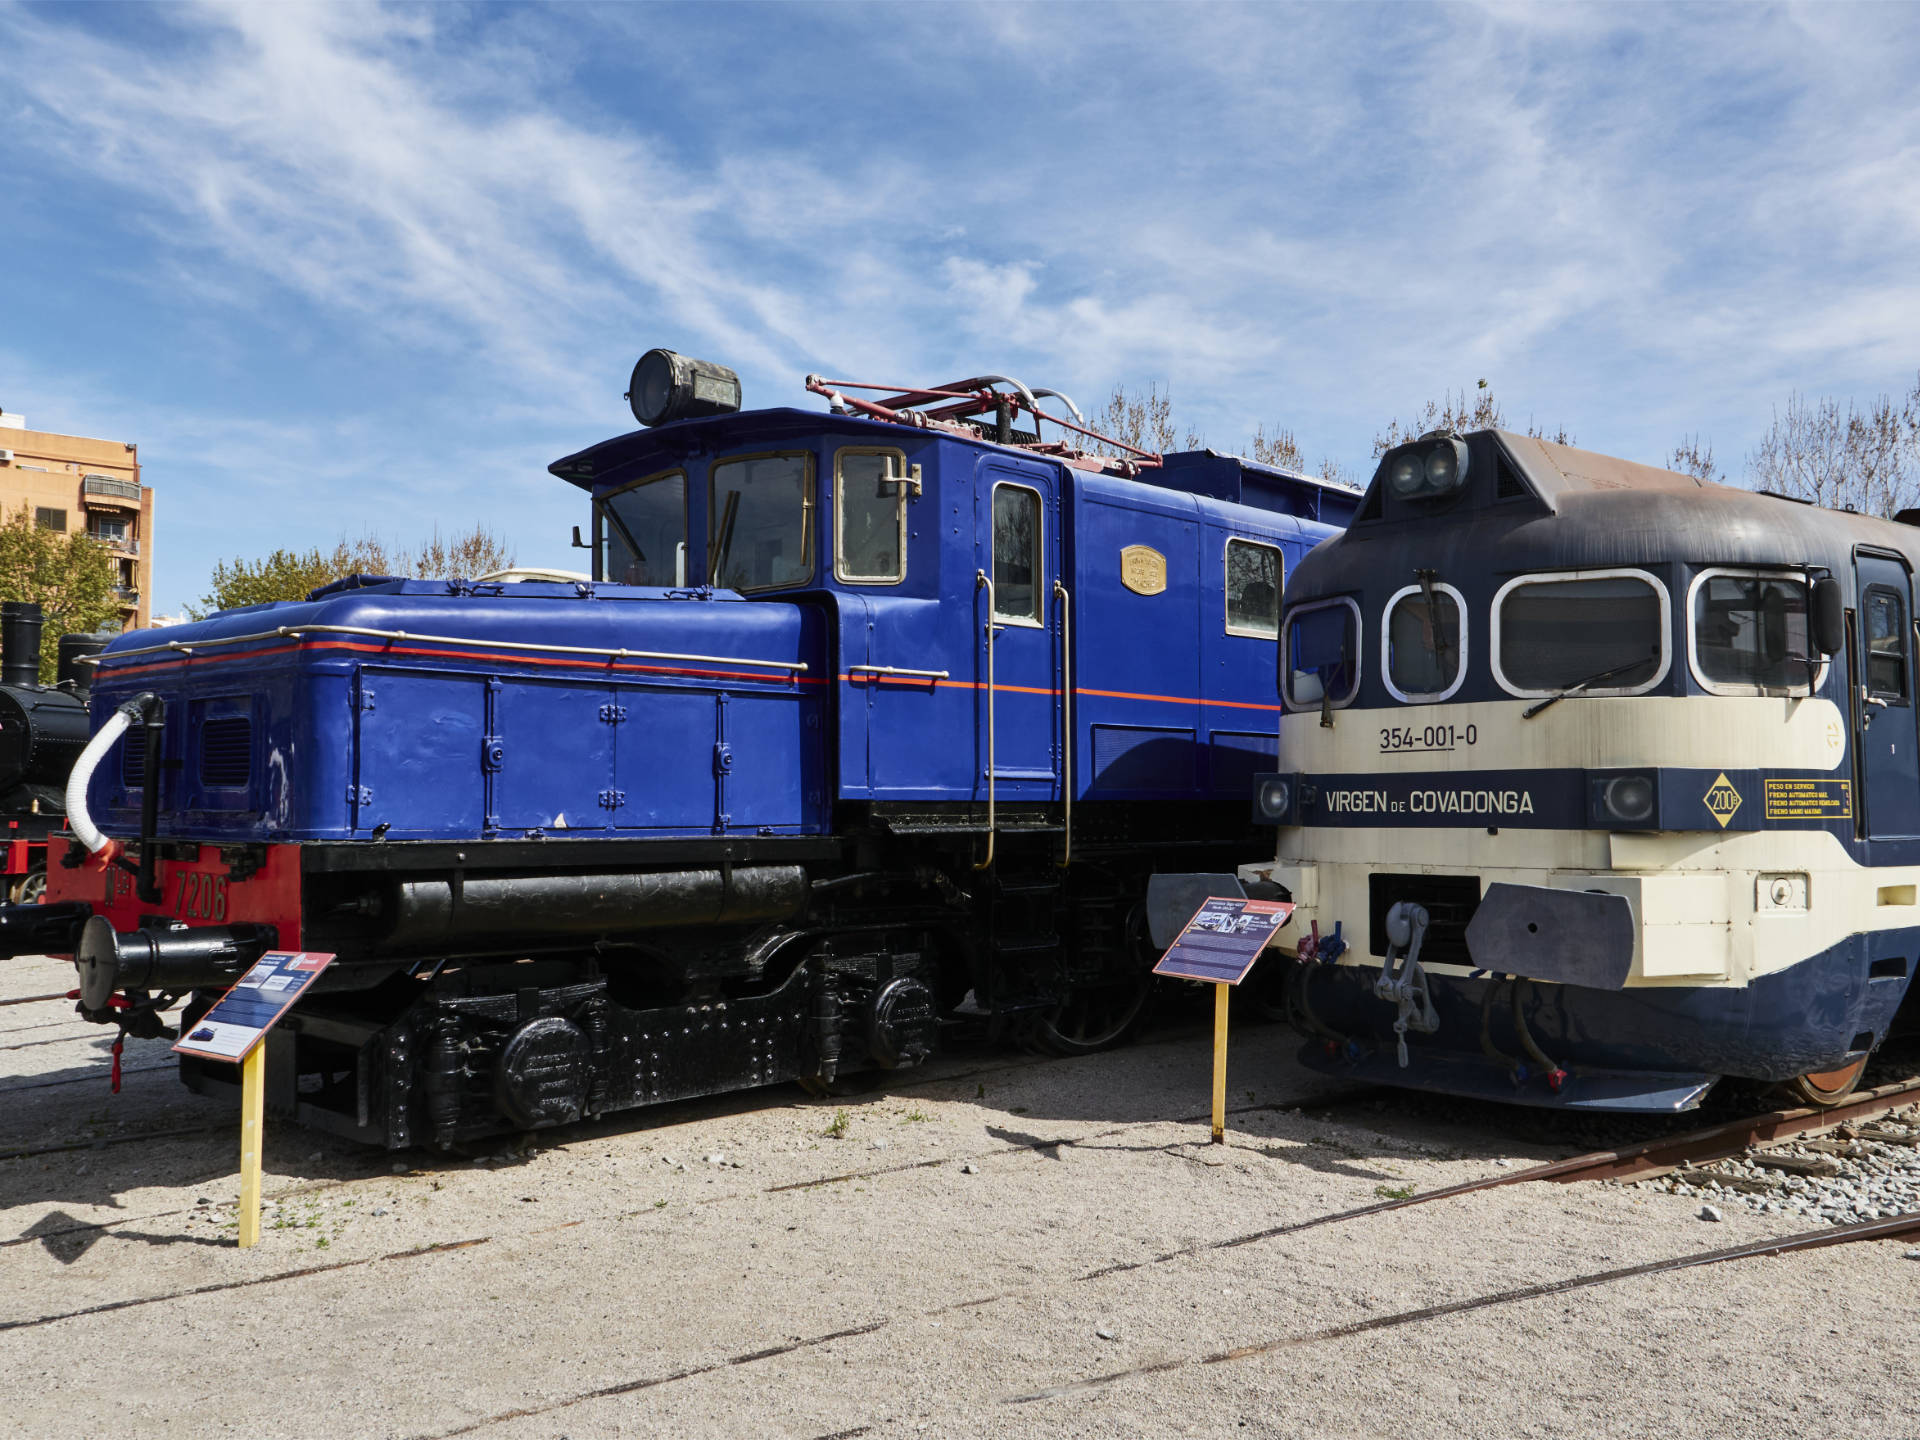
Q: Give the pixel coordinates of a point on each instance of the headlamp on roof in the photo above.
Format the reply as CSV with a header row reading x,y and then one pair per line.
x,y
1432,468
666,386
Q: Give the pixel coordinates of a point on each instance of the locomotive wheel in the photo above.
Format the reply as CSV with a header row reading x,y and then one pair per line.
x,y
32,889
1822,1088
1096,1017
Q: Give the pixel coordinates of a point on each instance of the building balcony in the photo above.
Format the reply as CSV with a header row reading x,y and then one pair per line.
x,y
126,595
119,544
106,487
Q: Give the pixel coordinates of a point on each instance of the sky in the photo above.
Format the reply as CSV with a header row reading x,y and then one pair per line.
x,y
342,269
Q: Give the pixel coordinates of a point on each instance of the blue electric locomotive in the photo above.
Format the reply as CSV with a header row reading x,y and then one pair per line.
x,y
865,720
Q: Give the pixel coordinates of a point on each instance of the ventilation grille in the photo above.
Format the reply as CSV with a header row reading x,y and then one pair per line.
x,y
1509,486
226,752
1126,758
133,757
1236,758
1450,901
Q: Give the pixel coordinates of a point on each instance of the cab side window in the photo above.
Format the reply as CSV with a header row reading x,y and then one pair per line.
x,y
1254,578
1886,645
870,516
1016,554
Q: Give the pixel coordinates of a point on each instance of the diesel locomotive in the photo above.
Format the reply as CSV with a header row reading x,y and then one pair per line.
x,y
869,722
1598,782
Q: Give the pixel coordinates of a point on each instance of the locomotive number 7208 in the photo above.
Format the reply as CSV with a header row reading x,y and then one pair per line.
x,y
201,897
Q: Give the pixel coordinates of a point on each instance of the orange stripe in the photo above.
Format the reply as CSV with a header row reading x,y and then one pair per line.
x,y
931,683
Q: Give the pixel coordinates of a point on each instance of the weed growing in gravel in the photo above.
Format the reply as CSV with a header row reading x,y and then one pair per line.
x,y
915,1117
1394,1192
838,1129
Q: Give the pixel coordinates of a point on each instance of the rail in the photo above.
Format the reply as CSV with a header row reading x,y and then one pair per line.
x,y
983,581
298,632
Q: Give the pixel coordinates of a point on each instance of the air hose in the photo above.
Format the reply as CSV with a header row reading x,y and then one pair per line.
x,y
1556,1076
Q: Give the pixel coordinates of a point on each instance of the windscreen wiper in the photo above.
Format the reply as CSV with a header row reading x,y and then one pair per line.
x,y
1533,710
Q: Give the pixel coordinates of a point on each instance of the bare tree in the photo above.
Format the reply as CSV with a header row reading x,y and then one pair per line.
x,y
1142,421
1278,449
1451,412
1690,457
1852,459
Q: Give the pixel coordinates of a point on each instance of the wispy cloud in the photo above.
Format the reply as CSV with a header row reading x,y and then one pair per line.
x,y
366,245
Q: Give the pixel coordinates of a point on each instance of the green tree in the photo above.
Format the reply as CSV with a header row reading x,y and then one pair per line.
x,y
71,576
292,574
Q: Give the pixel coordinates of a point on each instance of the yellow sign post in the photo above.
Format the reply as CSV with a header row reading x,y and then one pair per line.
x,y
1222,993
235,1030
1219,946
253,1109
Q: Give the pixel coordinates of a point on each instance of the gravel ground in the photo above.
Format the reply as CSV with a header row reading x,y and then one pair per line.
x,y
995,1246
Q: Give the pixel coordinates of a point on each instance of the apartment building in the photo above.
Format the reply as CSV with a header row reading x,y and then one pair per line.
x,y
78,484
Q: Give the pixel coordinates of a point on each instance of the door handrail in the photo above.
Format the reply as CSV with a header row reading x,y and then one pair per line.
x,y
983,581
897,670
1066,711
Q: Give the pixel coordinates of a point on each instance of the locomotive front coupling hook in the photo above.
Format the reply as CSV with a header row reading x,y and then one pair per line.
x,y
1402,982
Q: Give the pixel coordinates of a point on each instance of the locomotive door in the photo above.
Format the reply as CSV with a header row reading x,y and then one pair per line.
x,y
1018,546
1884,681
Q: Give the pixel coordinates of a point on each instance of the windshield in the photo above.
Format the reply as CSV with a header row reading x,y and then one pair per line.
x,y
1556,634
1751,630
1321,655
644,534
1423,643
762,521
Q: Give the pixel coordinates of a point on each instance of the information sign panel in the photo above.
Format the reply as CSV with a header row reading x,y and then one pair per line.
x,y
245,1013
1223,939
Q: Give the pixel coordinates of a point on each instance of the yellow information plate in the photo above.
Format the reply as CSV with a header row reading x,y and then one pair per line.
x,y
1809,799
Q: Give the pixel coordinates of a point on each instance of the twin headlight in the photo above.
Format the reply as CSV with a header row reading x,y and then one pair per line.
x,y
1629,801
1274,798
1429,469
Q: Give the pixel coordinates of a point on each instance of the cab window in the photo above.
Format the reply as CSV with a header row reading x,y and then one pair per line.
x,y
1423,642
1016,554
1321,656
643,531
762,519
1750,632
870,516
1253,589
1596,634
1886,644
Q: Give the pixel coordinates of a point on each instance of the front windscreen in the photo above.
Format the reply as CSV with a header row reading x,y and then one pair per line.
x,y
1322,663
762,522
1423,643
1752,630
644,531
1601,634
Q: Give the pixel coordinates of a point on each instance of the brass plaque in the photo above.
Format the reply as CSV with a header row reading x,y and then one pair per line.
x,y
1143,569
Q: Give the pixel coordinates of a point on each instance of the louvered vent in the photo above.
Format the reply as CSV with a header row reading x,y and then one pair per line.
x,y
1510,486
133,757
226,752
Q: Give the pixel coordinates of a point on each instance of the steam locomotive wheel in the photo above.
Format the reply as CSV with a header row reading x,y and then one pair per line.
x,y
1827,1087
32,889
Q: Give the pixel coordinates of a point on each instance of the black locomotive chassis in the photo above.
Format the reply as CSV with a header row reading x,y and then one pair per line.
x,y
408,1043
453,1067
